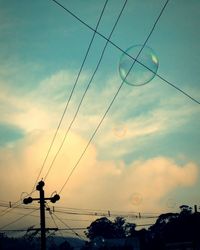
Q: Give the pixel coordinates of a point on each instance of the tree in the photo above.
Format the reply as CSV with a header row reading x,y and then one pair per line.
x,y
65,246
185,210
130,230
162,221
104,228
175,227
119,227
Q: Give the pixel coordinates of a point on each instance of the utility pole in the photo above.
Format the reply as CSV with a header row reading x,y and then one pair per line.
x,y
42,202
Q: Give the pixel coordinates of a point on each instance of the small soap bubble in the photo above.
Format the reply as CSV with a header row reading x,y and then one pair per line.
x,y
171,203
142,71
136,199
120,131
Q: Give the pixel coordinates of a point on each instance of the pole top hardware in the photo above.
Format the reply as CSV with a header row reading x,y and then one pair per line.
x,y
28,200
55,198
40,185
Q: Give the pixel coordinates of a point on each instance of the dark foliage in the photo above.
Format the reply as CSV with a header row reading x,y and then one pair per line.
x,y
107,229
174,228
169,228
16,243
24,243
65,246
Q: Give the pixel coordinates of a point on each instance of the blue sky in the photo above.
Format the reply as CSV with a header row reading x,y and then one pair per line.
x,y
149,140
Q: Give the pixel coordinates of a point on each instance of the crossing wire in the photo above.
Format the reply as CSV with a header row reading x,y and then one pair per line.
x,y
92,212
18,219
95,213
88,211
85,92
9,209
71,229
66,229
125,52
115,96
61,234
14,205
71,94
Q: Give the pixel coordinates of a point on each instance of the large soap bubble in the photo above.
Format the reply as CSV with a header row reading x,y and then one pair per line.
x,y
143,70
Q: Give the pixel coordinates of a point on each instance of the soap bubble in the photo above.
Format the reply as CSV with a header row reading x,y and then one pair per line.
x,y
136,199
171,203
120,131
139,74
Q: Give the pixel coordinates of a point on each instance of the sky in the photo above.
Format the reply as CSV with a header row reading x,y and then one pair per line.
x,y
145,155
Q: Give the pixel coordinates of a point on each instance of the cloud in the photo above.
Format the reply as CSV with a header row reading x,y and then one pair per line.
x,y
9,133
95,183
40,110
109,185
138,112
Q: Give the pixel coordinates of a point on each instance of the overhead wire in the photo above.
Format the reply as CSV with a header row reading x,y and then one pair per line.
x,y
76,228
112,101
13,230
61,220
111,214
93,213
51,214
14,205
72,91
88,211
9,209
88,86
106,215
6,211
18,219
66,229
71,229
125,52
19,213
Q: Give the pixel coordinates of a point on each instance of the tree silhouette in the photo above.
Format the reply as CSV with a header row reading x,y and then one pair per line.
x,y
175,227
102,227
119,225
107,229
65,246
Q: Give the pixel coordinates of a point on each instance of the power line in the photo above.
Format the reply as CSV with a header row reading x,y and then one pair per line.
x,y
123,51
19,213
13,230
91,79
96,212
177,88
112,101
20,206
6,211
76,228
103,210
72,91
106,215
71,229
9,209
15,205
18,219
66,229
61,234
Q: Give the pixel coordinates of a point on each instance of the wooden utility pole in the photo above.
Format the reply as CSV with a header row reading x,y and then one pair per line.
x,y
42,200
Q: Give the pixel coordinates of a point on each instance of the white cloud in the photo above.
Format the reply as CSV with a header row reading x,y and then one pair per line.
x,y
95,183
42,109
